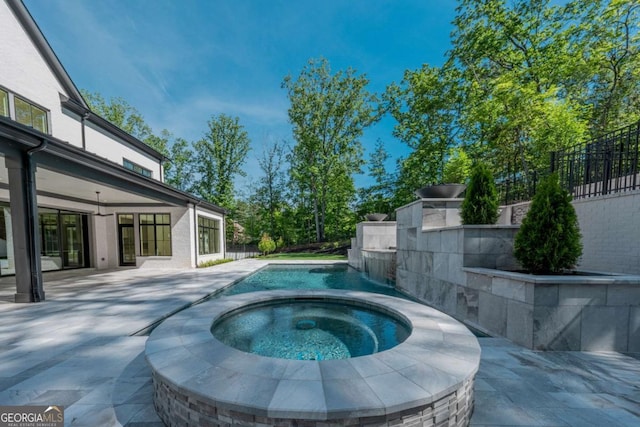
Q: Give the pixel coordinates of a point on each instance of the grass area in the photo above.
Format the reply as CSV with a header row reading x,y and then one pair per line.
x,y
306,256
213,262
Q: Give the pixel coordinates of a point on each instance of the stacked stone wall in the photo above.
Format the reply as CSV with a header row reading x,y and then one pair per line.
x,y
178,408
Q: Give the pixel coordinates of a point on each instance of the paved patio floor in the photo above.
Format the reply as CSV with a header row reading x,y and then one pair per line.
x,y
76,349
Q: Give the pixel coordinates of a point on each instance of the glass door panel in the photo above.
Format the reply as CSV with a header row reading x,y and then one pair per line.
x,y
126,237
72,240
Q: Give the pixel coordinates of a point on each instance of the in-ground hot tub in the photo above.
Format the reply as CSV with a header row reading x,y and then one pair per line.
x,y
310,329
425,373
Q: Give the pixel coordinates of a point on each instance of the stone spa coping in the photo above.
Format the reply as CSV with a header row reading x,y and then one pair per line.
x,y
438,359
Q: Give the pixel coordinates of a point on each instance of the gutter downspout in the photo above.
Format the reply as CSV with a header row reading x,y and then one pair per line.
x,y
195,229
83,118
30,210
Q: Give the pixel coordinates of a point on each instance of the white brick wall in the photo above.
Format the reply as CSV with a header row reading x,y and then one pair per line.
x,y
610,227
24,72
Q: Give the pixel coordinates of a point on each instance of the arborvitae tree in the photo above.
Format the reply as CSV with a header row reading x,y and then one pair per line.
x,y
266,244
480,205
549,238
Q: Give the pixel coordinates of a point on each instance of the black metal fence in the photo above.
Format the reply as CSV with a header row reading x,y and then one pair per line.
x,y
607,164
237,252
518,186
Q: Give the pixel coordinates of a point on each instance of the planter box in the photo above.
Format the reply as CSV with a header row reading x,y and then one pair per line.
x,y
580,313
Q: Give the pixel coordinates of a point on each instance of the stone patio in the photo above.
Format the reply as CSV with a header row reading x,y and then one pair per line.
x,y
76,350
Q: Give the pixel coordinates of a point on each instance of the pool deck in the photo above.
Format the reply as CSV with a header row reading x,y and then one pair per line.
x,y
76,350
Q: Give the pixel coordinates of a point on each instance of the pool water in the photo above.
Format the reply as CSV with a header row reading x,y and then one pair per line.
x,y
276,277
310,330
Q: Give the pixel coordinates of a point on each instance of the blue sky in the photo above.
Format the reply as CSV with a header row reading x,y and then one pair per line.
x,y
181,62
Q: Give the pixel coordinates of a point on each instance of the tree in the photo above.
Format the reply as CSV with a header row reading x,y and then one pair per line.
x,y
377,198
480,204
515,62
118,112
220,155
426,106
605,36
266,244
457,168
179,170
549,238
329,113
271,190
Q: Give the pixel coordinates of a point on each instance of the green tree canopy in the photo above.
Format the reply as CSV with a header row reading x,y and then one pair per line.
x,y
271,192
120,113
377,198
523,78
329,112
220,155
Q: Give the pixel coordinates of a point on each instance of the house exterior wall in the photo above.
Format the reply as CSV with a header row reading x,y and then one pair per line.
x,y
112,148
29,70
24,72
610,232
180,242
208,257
103,234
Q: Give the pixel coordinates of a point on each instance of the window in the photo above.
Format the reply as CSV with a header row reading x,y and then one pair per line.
x,y
136,168
30,115
50,240
23,111
208,235
155,235
4,103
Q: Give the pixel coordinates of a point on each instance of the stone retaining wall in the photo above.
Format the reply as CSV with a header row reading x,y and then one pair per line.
x,y
459,270
586,313
179,408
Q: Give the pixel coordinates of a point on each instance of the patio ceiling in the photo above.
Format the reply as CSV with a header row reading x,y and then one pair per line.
x,y
49,182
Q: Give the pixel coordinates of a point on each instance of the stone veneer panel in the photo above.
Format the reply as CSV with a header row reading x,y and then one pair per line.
x,y
519,321
492,312
634,329
557,328
604,328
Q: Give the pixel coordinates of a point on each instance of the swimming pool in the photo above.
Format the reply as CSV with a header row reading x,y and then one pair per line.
x,y
318,277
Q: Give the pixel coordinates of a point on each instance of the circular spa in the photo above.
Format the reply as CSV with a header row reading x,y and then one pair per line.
x,y
318,357
310,330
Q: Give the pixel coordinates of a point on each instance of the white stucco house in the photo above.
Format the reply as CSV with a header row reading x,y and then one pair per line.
x,y
75,190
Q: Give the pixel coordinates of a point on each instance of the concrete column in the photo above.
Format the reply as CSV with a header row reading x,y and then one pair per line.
x,y
24,226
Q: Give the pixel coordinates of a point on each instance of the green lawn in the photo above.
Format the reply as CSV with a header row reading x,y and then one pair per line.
x,y
305,256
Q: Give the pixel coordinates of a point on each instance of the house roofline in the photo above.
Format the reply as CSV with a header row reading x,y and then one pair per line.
x,y
92,117
73,99
37,37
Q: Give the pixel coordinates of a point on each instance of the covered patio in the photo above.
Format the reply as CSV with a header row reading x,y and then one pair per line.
x,y
64,208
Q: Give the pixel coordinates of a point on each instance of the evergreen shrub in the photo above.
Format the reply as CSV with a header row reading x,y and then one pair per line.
x,y
266,244
480,204
549,238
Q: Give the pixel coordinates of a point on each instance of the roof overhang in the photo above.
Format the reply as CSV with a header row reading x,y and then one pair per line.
x,y
61,157
92,117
